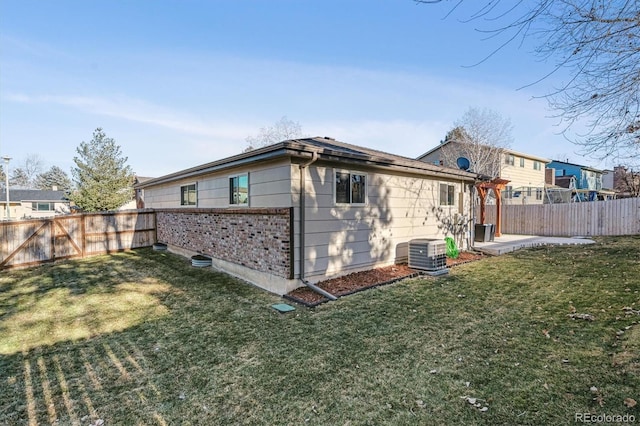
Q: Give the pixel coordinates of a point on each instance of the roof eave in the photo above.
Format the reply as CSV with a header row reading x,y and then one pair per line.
x,y
434,149
374,161
280,150
298,149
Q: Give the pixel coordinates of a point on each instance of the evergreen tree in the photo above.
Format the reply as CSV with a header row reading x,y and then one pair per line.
x,y
19,179
103,179
55,177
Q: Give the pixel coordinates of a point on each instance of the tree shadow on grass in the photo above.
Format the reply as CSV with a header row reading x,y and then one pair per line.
x,y
77,299
145,339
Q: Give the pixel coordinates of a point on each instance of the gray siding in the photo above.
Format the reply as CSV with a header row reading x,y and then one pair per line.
x,y
339,238
342,238
269,186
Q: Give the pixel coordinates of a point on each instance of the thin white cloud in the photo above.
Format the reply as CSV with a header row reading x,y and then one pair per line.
x,y
139,111
405,113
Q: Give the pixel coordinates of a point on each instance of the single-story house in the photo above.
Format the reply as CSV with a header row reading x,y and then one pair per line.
x,y
308,209
33,203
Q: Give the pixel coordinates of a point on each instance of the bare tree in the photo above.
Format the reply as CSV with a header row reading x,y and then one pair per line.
x,y
25,175
33,165
481,136
598,42
626,181
282,130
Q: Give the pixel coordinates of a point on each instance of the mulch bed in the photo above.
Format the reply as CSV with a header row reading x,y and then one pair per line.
x,y
358,281
465,257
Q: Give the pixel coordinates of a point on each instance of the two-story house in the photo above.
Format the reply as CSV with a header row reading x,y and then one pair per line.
x,y
525,172
585,182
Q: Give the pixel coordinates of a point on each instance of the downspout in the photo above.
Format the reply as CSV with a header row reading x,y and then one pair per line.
x,y
472,232
303,194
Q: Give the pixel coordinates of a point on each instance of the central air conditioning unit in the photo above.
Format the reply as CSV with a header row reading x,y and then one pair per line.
x,y
428,255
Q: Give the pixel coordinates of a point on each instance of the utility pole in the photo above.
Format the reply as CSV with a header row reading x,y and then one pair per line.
x,y
6,180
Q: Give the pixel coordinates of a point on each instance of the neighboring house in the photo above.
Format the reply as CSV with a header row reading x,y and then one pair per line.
x,y
525,172
585,182
567,182
353,208
33,203
608,179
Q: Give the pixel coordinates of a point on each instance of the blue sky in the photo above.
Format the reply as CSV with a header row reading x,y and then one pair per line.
x,y
181,83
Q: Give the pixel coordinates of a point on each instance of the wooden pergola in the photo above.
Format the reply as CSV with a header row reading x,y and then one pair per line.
x,y
497,185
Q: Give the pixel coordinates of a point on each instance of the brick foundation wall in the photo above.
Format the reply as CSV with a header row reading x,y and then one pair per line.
x,y
257,238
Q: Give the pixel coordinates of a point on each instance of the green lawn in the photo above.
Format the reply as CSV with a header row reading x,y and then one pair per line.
x,y
143,338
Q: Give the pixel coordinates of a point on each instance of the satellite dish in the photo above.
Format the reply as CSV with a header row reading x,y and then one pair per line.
x,y
463,163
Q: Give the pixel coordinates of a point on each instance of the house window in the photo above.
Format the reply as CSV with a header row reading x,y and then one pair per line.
x,y
529,191
538,193
521,161
537,165
447,194
508,192
42,207
188,195
239,190
509,159
351,188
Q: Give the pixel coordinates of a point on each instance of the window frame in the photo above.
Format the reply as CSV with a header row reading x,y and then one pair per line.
x,y
182,197
522,162
351,173
231,192
537,165
451,194
35,206
510,159
508,192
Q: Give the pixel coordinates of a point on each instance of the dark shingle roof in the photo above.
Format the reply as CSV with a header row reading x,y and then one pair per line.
x,y
18,195
325,148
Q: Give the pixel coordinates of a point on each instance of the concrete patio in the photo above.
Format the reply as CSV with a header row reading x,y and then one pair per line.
x,y
508,243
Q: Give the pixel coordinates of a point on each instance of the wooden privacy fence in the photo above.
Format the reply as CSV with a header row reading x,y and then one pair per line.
x,y
31,242
594,218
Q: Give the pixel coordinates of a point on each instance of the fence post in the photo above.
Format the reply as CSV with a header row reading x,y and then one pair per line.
x,y
155,226
52,238
83,234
